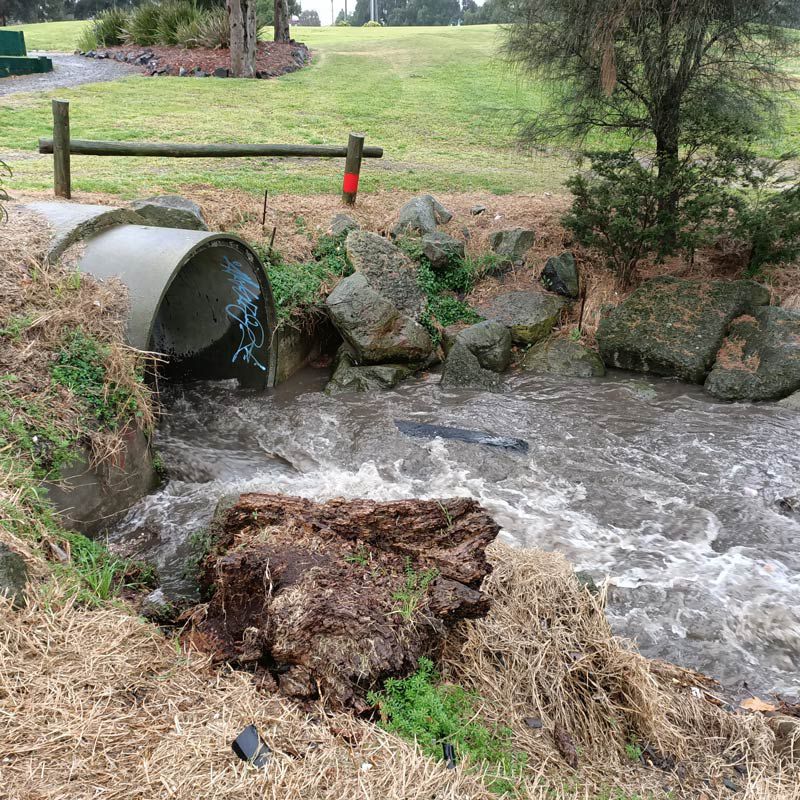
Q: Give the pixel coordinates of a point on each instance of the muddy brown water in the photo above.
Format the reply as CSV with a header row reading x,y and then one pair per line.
x,y
671,498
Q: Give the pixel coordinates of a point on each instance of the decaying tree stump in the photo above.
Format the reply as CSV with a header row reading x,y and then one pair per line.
x,y
332,598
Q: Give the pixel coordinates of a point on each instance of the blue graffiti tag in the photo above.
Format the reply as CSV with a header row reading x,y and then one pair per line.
x,y
244,311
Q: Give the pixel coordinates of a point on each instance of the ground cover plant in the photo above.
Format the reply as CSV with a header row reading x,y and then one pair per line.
x,y
69,390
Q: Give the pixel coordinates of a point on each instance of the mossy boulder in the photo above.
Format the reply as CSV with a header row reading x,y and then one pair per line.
x,y
463,369
530,316
441,249
388,270
171,211
675,327
563,357
760,357
478,355
374,327
349,376
513,244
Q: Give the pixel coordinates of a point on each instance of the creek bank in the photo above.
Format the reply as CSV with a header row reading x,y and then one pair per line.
x,y
330,599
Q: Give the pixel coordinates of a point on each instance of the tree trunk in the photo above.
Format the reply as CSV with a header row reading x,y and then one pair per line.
x,y
335,597
668,164
244,35
281,20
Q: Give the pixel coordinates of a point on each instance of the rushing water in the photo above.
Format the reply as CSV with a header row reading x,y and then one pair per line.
x,y
646,483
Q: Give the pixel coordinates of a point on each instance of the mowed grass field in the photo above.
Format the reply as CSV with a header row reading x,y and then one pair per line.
x,y
441,101
438,100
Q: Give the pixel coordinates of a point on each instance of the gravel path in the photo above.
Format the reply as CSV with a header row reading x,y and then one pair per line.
x,y
67,71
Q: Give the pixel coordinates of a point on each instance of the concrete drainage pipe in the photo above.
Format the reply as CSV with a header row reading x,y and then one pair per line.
x,y
202,299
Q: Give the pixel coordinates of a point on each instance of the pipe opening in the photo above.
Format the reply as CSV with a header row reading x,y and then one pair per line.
x,y
214,320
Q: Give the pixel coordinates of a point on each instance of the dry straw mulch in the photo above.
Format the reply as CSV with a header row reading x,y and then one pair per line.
x,y
101,704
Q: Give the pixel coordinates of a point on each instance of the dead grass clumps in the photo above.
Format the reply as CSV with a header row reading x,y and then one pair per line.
x,y
99,703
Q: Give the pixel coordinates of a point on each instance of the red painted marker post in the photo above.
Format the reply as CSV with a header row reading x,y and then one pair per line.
x,y
352,168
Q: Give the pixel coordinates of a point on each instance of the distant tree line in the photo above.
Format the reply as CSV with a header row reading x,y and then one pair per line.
x,y
430,12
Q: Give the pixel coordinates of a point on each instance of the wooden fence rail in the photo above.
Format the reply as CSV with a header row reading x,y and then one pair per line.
x,y
61,146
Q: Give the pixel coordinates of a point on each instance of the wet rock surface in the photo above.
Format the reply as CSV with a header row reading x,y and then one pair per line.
x,y
563,357
376,330
332,598
388,270
675,327
760,357
529,315
489,342
349,376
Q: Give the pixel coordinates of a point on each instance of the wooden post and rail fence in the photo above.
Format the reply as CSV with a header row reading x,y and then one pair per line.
x,y
62,147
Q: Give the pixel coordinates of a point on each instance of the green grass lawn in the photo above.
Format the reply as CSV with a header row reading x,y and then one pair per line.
x,y
439,100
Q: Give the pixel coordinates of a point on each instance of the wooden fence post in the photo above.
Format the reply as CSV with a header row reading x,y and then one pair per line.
x,y
61,165
352,168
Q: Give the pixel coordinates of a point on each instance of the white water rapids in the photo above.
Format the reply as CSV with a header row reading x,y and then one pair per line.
x,y
648,484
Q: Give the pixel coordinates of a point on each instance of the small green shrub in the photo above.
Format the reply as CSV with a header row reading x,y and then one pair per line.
x,y
106,30
444,287
81,368
100,574
617,209
767,213
342,23
212,30
175,15
413,590
372,23
420,708
300,288
143,25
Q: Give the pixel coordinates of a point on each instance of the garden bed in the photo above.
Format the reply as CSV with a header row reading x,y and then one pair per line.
x,y
272,59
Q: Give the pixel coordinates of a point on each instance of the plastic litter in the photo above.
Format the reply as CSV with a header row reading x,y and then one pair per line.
x,y
449,755
250,747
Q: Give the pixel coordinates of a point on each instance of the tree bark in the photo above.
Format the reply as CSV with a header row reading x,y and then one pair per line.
x,y
244,35
281,20
332,598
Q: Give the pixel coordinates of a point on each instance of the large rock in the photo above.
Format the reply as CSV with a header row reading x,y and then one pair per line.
x,y
343,223
792,402
13,576
760,357
675,327
349,376
563,357
512,245
530,315
490,343
441,249
374,327
389,271
333,598
171,211
560,275
420,216
463,369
